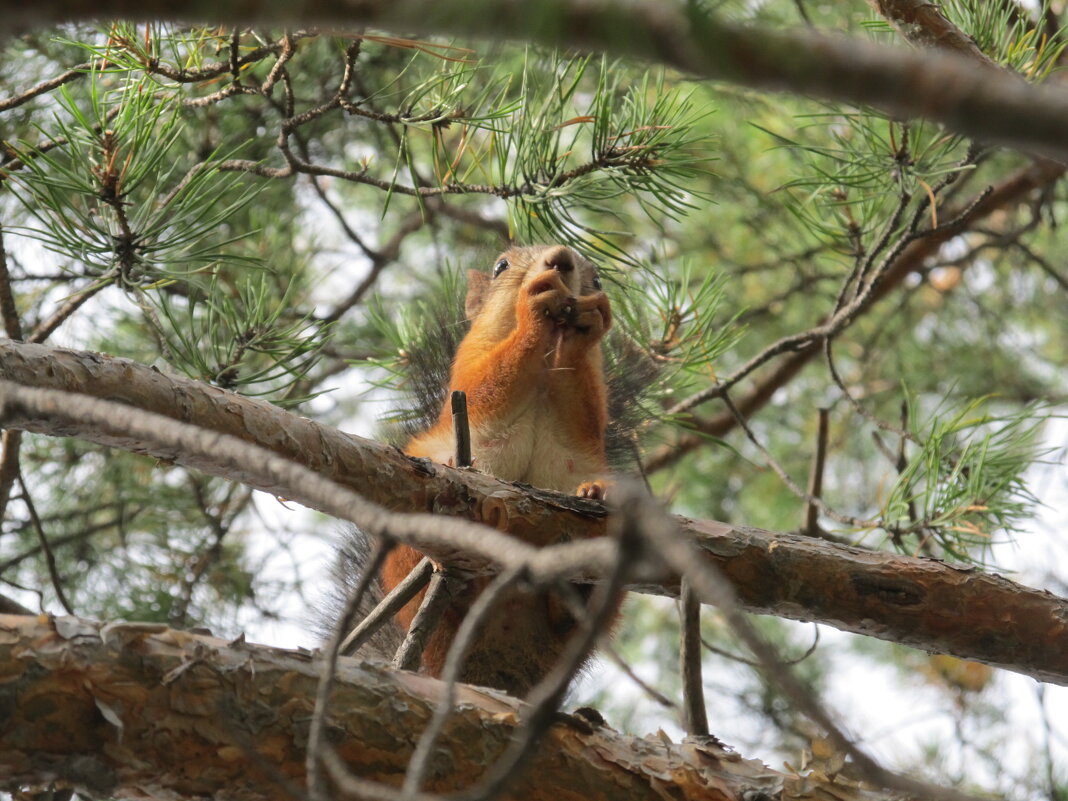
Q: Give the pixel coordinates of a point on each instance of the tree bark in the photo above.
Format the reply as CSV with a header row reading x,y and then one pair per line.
x,y
919,602
139,711
922,23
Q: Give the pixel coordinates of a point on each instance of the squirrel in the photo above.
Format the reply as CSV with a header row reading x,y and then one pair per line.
x,y
531,366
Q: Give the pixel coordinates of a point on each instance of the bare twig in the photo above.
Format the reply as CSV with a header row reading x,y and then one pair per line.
x,y
11,441
483,605
695,718
66,539
316,736
544,700
9,606
8,309
610,651
396,600
815,478
289,49
73,74
50,558
810,499
46,328
795,661
460,429
10,448
442,591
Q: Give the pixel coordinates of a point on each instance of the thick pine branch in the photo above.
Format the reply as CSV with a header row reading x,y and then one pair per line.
x,y
918,602
139,711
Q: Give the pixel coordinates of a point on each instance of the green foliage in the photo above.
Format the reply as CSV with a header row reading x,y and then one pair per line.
x,y
966,481
1008,37
109,195
583,142
240,337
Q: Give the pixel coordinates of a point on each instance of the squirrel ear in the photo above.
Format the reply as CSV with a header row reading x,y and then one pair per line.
x,y
477,284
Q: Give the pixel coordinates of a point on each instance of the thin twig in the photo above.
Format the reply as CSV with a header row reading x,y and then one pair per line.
x,y
11,441
50,558
737,658
317,790
610,651
8,308
396,600
484,604
815,479
46,328
858,407
66,539
460,429
848,520
545,698
289,49
443,589
695,718
73,74
9,606
10,449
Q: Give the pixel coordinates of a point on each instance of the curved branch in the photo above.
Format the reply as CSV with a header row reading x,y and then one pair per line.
x,y
919,602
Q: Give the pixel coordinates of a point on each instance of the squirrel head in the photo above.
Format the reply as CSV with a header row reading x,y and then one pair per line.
x,y
491,296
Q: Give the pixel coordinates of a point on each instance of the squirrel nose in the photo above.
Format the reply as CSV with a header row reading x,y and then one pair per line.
x,y
561,259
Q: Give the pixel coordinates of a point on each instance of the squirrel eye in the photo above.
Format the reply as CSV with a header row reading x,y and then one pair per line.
x,y
500,267
597,282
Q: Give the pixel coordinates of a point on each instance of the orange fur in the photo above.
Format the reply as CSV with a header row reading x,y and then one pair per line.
x,y
531,368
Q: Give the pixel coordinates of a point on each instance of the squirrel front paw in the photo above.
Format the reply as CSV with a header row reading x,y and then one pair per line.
x,y
593,489
549,299
592,317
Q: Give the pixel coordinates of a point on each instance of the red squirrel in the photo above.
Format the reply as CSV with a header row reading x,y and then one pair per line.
x,y
531,367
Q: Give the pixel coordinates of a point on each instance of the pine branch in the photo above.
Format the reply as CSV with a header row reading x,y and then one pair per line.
x,y
131,707
917,602
923,24
1012,191
945,87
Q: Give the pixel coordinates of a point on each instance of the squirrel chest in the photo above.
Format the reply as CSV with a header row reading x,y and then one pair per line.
x,y
536,439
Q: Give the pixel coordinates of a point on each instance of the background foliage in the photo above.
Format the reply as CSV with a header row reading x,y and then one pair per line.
x,y
286,214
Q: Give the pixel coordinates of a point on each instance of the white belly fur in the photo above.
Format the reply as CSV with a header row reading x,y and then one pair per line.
x,y
530,446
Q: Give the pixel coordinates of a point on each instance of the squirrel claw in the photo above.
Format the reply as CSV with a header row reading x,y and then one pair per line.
x,y
594,490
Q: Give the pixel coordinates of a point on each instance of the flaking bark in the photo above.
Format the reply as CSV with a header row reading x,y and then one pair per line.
x,y
919,602
137,711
